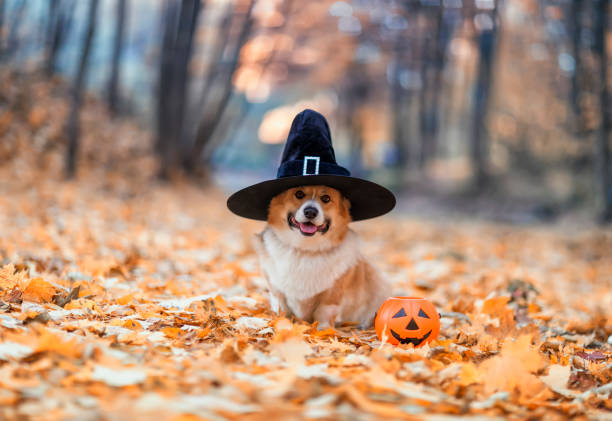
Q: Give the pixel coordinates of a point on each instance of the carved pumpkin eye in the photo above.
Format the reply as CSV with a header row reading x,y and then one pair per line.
x,y
400,313
423,314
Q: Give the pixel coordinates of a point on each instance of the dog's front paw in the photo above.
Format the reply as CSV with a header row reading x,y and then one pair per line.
x,y
326,316
275,304
279,304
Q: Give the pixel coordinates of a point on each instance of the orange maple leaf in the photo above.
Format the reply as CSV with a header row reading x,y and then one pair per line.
x,y
9,278
513,368
39,290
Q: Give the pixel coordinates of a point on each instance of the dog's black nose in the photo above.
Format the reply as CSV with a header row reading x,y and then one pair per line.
x,y
310,212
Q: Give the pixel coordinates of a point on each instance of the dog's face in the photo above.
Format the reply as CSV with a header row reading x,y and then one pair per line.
x,y
310,217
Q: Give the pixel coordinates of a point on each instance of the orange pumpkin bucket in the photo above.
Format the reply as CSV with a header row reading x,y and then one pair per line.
x,y
407,320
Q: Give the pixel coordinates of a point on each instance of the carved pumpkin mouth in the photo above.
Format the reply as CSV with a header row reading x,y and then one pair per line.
x,y
413,341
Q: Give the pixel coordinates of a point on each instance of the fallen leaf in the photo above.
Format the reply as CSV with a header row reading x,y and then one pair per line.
x,y
593,356
118,377
14,351
557,379
39,290
10,277
513,368
62,300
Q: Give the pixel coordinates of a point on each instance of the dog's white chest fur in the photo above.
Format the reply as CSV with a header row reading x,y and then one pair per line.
x,y
301,275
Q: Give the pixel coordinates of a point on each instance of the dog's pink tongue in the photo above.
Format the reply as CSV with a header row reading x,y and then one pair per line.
x,y
308,228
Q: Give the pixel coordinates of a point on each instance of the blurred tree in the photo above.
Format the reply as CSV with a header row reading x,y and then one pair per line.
x,y
13,33
113,83
354,95
442,61
58,24
575,29
487,36
73,126
432,66
179,25
2,13
215,64
405,81
603,139
213,111
234,124
398,105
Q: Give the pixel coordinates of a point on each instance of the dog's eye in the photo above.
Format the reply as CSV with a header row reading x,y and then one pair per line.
x,y
325,198
299,194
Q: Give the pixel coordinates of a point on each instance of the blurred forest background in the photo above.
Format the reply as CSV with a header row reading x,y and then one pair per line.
x,y
470,103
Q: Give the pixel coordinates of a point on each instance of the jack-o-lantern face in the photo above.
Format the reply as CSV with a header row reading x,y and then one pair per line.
x,y
407,320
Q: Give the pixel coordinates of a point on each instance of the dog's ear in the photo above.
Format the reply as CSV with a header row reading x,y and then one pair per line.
x,y
346,203
346,207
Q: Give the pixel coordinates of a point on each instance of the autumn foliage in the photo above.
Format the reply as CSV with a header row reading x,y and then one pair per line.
x,y
128,301
125,299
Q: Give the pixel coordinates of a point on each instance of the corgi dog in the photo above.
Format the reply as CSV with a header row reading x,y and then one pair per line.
x,y
312,261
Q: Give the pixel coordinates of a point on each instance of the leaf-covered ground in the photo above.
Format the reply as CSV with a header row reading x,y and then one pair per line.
x,y
121,299
148,303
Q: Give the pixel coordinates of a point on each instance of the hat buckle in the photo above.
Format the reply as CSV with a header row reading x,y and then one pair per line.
x,y
305,168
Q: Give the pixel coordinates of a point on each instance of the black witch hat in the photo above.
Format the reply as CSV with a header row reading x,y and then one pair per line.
x,y
309,159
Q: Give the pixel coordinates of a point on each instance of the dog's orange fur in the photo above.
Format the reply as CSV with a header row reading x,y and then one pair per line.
x,y
337,209
353,295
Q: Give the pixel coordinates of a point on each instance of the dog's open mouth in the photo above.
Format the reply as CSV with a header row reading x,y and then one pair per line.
x,y
307,228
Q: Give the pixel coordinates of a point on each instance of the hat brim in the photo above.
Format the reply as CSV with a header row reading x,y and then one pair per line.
x,y
368,199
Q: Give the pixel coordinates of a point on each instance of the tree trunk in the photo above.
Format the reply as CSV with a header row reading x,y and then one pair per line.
x,y
436,89
433,51
603,145
115,76
73,127
13,35
425,52
180,23
216,57
575,34
60,19
486,45
188,20
213,114
232,126
2,14
397,107
52,14
162,143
